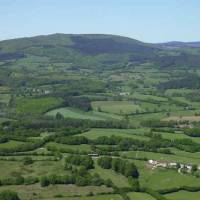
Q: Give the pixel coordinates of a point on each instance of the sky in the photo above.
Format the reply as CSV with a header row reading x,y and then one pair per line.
x,y
146,20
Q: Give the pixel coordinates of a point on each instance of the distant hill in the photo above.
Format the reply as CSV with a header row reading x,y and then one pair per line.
x,y
177,44
85,43
98,51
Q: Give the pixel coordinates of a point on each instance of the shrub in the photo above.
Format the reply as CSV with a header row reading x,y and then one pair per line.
x,y
85,161
121,166
105,162
28,161
9,195
44,181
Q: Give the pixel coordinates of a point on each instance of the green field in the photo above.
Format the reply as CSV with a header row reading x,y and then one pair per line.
x,y
119,180
4,120
116,107
10,144
130,133
166,178
38,168
183,195
173,136
177,152
36,105
4,98
146,97
179,156
139,196
82,147
99,197
137,119
66,192
79,114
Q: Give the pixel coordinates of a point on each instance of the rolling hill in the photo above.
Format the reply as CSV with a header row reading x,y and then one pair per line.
x,y
98,50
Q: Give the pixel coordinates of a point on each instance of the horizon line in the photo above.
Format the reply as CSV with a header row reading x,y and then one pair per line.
x,y
111,34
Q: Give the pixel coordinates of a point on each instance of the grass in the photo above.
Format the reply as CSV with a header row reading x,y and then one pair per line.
x,y
145,97
37,169
137,119
164,178
68,112
36,105
160,156
99,197
10,144
116,107
118,179
173,136
4,120
4,98
178,152
7,168
82,147
42,135
4,89
155,107
183,118
161,115
29,192
130,133
180,91
183,195
139,196
40,168
21,158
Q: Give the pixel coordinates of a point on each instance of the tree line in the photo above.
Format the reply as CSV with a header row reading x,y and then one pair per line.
x,y
119,165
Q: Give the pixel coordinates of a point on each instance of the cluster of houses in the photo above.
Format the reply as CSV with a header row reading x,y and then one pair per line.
x,y
40,91
171,165
124,93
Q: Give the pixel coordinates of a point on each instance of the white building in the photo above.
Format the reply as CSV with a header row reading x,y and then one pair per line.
x,y
189,167
172,164
162,164
152,162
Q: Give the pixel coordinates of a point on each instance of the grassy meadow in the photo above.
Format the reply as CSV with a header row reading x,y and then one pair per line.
x,y
79,114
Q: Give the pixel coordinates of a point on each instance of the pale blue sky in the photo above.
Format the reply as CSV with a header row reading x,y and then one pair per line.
x,y
146,20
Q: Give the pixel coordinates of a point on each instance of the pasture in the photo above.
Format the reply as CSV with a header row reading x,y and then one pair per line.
x,y
183,118
116,107
28,192
4,120
68,112
118,179
183,195
166,178
179,157
129,133
10,144
38,168
5,98
65,147
174,136
36,105
139,196
145,97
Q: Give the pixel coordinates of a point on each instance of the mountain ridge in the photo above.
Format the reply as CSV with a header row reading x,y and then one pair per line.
x,y
169,43
100,50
